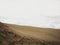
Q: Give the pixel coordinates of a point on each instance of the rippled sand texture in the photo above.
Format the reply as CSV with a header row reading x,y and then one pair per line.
x,y
11,34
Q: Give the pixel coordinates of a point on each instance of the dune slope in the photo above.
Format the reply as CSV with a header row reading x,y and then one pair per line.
x,y
11,34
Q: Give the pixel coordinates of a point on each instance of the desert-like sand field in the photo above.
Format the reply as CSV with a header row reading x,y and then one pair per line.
x,y
11,34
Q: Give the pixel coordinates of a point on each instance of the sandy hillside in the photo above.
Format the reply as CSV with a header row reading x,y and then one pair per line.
x,y
39,33
11,34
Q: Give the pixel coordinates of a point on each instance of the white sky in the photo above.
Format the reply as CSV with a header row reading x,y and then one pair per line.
x,y
31,12
29,8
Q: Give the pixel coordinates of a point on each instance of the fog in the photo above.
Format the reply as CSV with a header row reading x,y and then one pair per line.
x,y
39,13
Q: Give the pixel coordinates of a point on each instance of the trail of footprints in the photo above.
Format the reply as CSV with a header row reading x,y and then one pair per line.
x,y
8,37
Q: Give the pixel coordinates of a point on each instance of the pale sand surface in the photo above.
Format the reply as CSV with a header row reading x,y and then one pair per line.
x,y
39,33
11,34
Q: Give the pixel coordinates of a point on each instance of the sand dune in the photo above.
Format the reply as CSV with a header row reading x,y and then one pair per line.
x,y
49,34
45,36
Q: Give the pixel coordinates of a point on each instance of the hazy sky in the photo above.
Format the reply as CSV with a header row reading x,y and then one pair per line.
x,y
28,8
31,12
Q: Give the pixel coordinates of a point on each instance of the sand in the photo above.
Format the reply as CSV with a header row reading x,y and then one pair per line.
x,y
11,34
